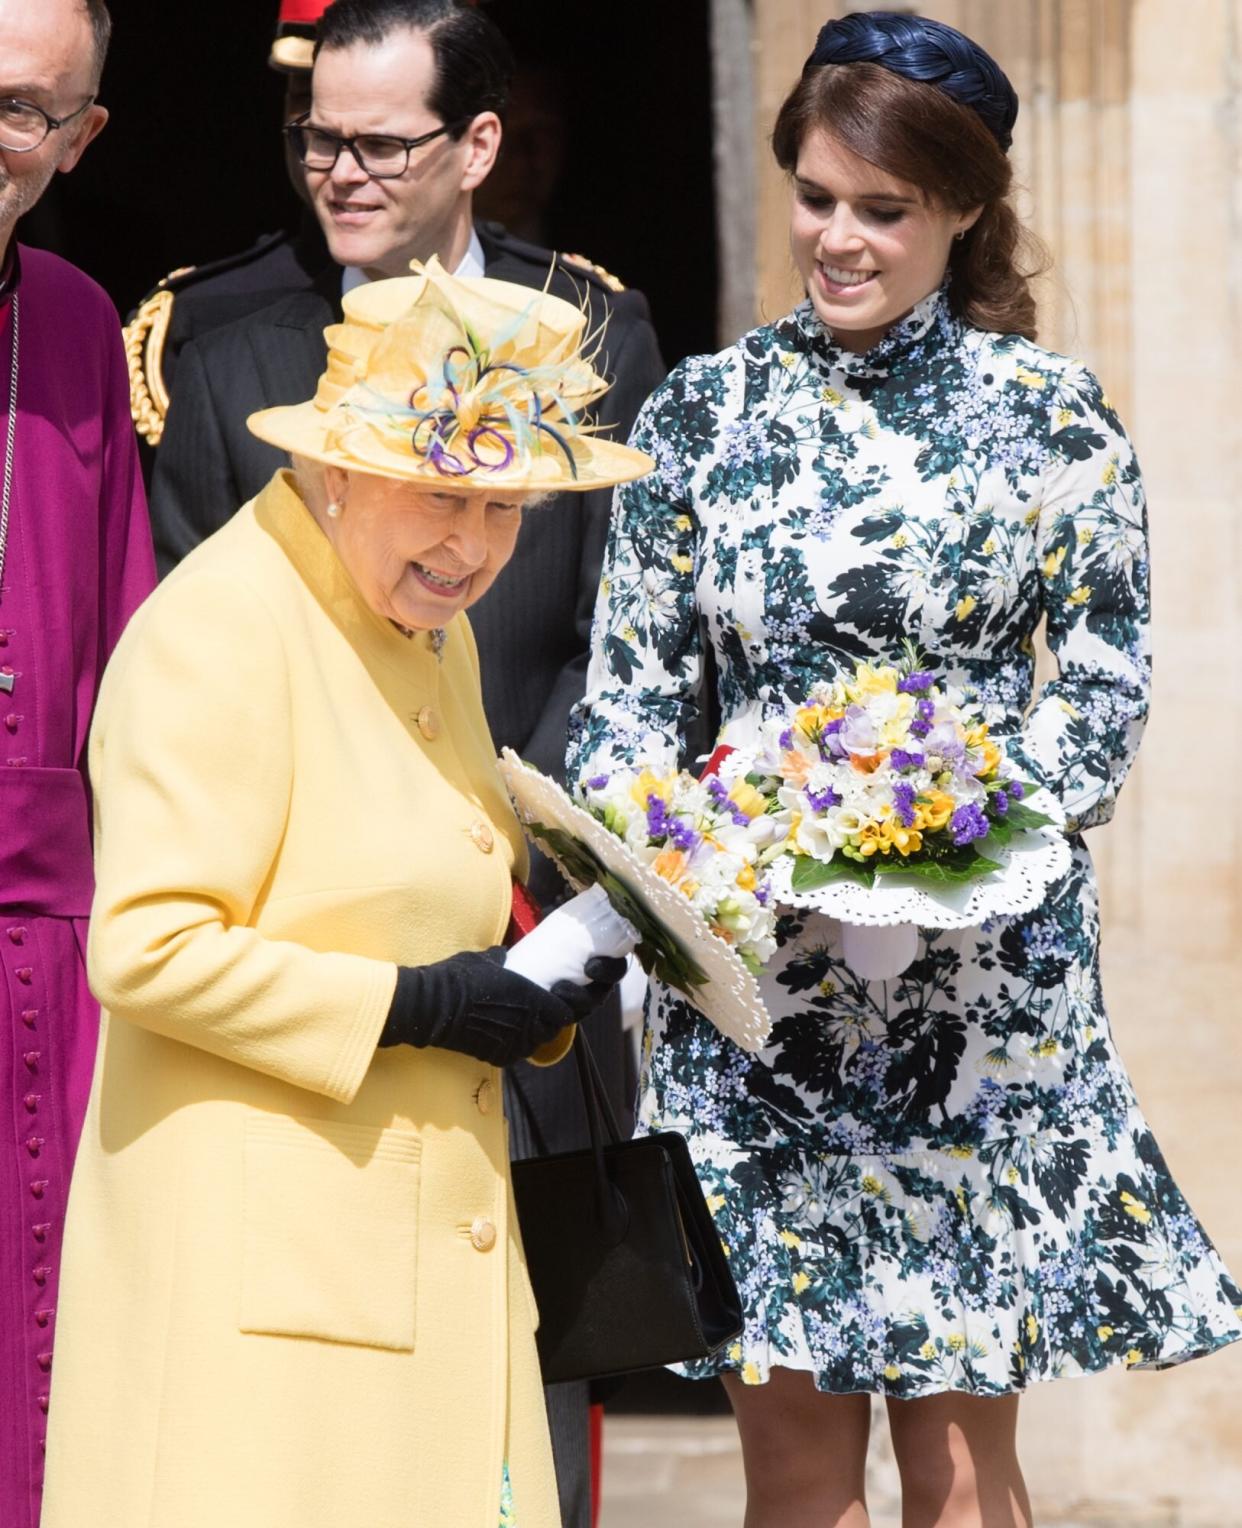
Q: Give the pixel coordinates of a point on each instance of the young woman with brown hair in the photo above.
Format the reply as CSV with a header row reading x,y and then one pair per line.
x,y
938,1188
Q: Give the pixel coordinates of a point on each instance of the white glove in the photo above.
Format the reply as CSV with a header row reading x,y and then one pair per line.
x,y
633,995
558,949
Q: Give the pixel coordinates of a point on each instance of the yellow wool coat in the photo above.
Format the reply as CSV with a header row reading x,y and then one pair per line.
x,y
293,1292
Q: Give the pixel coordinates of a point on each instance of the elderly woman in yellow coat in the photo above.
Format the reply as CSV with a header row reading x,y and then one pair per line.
x,y
294,1293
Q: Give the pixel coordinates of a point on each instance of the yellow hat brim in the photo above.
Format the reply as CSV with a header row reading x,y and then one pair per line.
x,y
304,429
394,337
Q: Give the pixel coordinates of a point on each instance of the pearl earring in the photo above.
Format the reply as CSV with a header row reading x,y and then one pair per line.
x,y
334,509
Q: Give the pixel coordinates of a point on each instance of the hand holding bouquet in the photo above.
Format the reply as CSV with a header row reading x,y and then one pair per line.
x,y
685,862
709,841
881,801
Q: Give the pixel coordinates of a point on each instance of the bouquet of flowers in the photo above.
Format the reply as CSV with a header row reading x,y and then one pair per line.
x,y
685,861
709,841
899,812
887,773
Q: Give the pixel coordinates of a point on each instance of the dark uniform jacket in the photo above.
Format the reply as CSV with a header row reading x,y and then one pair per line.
x,y
197,298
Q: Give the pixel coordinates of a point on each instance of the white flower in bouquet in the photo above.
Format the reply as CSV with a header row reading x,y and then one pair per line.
x,y
706,838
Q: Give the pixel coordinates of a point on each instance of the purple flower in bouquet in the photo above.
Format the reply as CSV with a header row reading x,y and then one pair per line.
x,y
1016,789
999,802
660,824
969,823
903,802
596,782
901,759
831,745
682,835
859,733
719,793
925,710
916,683
945,743
822,800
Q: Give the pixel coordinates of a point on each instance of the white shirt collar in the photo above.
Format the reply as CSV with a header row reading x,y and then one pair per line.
x,y
471,264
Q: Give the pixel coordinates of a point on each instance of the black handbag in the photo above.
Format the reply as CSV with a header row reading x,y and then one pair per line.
x,y
624,1259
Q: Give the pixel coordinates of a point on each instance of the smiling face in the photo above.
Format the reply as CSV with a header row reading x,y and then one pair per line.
x,y
381,225
867,246
418,556
47,59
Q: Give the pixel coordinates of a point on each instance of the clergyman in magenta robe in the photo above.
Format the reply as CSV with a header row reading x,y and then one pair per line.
x,y
78,562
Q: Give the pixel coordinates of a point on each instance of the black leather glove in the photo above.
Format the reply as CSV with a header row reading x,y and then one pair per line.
x,y
605,972
470,1003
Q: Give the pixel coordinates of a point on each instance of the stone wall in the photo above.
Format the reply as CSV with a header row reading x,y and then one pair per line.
x,y
1129,147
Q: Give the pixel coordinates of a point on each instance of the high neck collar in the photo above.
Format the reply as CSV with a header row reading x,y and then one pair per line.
x,y
924,324
280,511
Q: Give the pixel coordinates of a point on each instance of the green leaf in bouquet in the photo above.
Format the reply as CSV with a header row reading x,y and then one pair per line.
x,y
946,872
658,952
810,874
1021,817
1000,836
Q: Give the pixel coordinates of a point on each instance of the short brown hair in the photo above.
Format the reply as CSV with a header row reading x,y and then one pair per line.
x,y
101,33
917,133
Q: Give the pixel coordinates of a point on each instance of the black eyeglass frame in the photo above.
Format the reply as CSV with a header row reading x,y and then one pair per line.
x,y
295,130
54,124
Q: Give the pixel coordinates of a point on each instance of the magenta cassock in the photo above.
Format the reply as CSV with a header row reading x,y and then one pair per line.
x,y
79,562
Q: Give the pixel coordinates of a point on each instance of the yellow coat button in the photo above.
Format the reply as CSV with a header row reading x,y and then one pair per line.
x,y
482,1234
485,1096
428,723
483,836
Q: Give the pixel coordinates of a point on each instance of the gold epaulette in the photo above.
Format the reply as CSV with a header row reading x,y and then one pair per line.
x,y
145,335
613,283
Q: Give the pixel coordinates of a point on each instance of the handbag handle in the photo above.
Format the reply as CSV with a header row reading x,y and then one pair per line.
x,y
610,1204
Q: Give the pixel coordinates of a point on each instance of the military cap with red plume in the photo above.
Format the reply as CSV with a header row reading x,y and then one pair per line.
x,y
294,44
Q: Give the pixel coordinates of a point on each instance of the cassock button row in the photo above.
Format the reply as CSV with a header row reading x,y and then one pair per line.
x,y
483,837
428,723
482,1234
485,1096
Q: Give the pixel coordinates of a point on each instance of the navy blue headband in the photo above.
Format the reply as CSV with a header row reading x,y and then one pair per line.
x,y
921,49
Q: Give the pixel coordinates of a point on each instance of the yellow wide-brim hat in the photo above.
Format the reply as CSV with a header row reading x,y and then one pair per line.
x,y
459,383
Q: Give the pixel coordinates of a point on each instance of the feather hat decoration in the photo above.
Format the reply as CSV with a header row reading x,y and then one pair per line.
x,y
461,383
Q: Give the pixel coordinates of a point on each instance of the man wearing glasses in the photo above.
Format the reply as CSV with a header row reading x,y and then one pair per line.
x,y
404,126
75,560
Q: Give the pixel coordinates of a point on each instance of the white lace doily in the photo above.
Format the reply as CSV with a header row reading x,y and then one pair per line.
x,y
1033,860
730,998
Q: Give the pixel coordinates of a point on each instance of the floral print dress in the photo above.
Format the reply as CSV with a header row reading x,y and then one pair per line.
x,y
941,1181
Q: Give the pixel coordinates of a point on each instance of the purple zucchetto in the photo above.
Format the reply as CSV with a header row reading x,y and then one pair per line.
x,y
929,51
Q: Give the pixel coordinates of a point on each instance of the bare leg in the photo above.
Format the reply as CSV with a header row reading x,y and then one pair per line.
x,y
959,1463
805,1453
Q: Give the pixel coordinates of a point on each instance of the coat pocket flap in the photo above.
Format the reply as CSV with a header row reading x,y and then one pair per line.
x,y
330,1231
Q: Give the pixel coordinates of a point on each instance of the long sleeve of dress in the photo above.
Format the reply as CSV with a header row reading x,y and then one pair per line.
x,y
646,646
1084,730
192,764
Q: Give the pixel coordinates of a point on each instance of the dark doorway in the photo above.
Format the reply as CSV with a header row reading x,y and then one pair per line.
x,y
190,168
